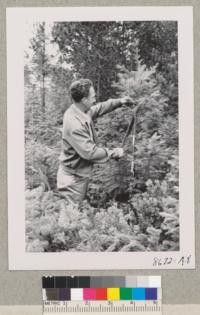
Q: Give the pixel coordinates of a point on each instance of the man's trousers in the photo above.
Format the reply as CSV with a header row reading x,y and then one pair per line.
x,y
72,187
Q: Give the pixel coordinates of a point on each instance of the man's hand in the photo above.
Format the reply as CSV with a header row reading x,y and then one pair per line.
x,y
116,153
127,100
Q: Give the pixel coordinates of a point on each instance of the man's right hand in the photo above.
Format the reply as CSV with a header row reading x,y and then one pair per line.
x,y
116,153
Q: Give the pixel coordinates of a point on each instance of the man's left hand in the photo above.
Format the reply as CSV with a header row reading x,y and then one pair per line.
x,y
127,100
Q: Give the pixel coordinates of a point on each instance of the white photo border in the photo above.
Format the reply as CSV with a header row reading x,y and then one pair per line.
x,y
19,259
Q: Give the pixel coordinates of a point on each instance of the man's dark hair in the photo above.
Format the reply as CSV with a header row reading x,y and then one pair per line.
x,y
80,89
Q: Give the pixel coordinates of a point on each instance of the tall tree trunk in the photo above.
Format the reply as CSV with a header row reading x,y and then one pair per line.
x,y
43,71
43,93
98,80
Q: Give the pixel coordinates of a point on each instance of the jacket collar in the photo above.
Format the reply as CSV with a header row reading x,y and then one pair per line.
x,y
79,114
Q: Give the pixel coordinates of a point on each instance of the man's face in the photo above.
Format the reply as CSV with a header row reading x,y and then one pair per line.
x,y
90,100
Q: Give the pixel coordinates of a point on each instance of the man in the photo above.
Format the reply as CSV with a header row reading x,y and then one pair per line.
x,y
79,149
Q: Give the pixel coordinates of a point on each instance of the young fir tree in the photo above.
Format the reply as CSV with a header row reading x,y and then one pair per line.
x,y
150,153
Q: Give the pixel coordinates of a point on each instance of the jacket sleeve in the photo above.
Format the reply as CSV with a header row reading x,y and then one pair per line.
x,y
104,107
83,144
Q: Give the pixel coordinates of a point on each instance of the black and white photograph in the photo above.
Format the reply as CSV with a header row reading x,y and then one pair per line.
x,y
106,128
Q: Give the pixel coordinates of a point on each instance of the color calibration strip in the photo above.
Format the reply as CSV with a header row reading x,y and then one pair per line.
x,y
74,295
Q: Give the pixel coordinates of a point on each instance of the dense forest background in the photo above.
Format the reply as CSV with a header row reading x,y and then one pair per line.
x,y
123,211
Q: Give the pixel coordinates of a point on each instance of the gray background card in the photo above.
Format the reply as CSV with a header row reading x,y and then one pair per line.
x,y
24,287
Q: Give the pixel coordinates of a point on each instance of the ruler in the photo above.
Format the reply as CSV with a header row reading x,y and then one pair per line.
x,y
104,307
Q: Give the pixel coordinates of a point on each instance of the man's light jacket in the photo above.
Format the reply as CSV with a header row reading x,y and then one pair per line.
x,y
79,138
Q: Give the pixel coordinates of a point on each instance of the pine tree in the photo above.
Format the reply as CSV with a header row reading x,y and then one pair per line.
x,y
94,49
40,61
59,97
